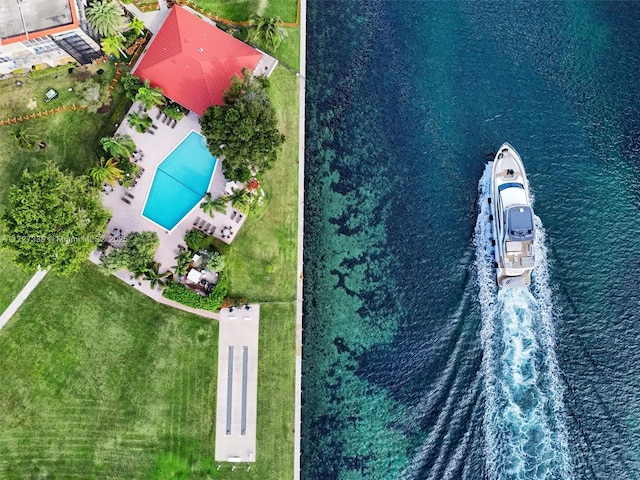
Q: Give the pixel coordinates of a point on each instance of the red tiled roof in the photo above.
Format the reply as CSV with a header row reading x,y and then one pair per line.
x,y
193,62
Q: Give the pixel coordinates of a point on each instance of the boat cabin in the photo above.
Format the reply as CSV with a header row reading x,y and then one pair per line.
x,y
520,223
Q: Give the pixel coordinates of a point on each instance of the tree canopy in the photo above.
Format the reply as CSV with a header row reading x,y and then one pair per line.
x,y
106,17
54,219
136,255
244,129
267,30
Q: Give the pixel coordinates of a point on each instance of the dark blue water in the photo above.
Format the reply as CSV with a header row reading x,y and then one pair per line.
x,y
414,365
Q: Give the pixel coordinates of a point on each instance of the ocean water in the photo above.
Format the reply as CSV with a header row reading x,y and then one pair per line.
x,y
415,366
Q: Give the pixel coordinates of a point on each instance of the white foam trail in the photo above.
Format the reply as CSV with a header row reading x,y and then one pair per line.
x,y
523,422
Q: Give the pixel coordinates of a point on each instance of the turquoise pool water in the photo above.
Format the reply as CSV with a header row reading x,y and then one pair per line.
x,y
180,182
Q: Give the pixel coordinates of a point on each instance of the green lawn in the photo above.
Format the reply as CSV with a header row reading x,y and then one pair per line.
x,y
99,381
262,263
71,139
14,277
241,10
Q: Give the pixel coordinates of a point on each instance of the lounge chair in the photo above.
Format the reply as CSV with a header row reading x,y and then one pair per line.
x,y
126,200
202,222
128,194
151,132
238,218
158,115
174,123
233,215
196,221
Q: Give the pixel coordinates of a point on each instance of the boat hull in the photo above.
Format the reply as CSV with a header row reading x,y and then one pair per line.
x,y
512,220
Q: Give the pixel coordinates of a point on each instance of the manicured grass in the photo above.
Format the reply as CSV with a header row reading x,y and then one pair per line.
x,y
241,10
285,9
14,278
99,381
262,263
72,137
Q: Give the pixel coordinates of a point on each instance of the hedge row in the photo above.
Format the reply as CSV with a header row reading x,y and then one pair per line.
x,y
181,294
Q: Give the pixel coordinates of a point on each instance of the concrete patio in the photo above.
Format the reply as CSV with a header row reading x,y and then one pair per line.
x,y
127,217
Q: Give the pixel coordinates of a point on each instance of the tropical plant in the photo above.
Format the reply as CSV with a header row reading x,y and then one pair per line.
x,y
183,260
113,46
54,219
152,273
244,129
136,25
210,205
196,240
106,17
131,85
267,30
149,96
136,255
174,111
24,138
181,294
213,261
106,171
140,122
240,199
118,146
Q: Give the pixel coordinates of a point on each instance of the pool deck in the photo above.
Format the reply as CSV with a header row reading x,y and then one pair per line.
x,y
127,217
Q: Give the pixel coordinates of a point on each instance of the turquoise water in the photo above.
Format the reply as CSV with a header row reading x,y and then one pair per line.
x,y
415,366
180,181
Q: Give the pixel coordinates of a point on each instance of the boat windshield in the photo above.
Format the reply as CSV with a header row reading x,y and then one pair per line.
x,y
520,223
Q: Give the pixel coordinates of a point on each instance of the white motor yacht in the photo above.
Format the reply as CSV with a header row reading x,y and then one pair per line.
x,y
512,220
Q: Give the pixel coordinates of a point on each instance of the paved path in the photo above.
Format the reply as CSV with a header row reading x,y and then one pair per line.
x,y
301,132
22,296
237,394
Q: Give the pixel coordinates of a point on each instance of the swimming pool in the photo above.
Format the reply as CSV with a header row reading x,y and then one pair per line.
x,y
180,182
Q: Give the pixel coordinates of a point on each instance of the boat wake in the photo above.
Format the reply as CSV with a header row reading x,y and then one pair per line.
x,y
525,437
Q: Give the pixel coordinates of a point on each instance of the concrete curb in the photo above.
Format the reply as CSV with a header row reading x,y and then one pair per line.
x,y
299,287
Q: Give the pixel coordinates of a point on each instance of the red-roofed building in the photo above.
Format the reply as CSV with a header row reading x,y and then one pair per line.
x,y
193,61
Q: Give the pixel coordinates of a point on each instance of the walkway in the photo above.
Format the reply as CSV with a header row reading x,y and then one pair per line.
x,y
237,401
22,296
302,13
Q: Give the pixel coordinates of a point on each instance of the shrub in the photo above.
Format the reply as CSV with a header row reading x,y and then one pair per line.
x,y
196,240
135,256
181,294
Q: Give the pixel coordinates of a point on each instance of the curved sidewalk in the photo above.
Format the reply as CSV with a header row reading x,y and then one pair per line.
x,y
22,296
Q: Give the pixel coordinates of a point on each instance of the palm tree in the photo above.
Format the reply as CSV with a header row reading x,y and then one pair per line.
x,y
106,171
240,199
118,146
131,85
136,25
106,17
140,122
174,111
183,260
267,30
24,138
113,46
152,273
209,205
213,262
149,96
